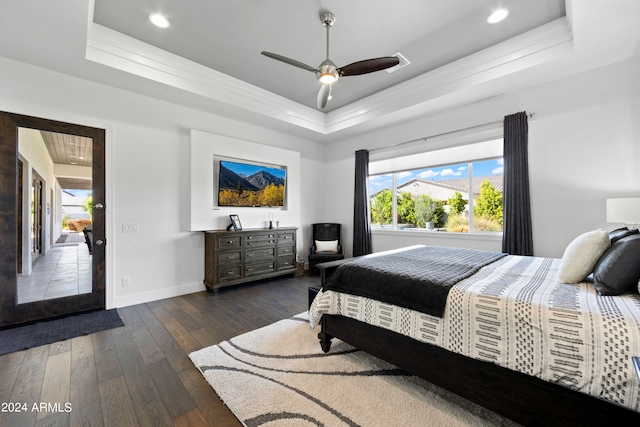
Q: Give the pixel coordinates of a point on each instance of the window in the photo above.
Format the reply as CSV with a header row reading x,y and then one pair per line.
x,y
438,198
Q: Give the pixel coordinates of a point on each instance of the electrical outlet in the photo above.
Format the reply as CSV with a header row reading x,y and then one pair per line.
x,y
129,227
126,282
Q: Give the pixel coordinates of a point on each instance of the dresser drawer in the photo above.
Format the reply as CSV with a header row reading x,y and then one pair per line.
x,y
257,240
258,253
233,257
228,242
285,251
286,263
225,274
259,268
285,237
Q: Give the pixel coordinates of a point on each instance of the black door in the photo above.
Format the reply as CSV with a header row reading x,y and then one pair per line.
x,y
11,312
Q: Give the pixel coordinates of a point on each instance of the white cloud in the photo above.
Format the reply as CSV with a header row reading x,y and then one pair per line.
x,y
498,171
404,174
462,168
450,172
427,174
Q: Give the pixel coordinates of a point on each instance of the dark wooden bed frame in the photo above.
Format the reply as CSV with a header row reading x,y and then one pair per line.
x,y
522,398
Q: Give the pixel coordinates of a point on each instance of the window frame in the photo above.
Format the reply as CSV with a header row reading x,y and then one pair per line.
x,y
391,158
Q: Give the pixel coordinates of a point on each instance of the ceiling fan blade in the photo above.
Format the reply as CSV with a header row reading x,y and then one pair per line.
x,y
368,66
323,96
289,61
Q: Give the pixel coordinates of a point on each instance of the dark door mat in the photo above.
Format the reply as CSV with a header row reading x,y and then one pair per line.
x,y
47,332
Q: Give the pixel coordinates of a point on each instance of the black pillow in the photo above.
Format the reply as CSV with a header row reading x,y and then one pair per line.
x,y
618,269
620,233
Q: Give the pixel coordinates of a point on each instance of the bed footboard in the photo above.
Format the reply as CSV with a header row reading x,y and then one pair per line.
x,y
522,398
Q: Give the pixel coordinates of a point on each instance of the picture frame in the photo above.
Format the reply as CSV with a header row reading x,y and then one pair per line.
x,y
235,222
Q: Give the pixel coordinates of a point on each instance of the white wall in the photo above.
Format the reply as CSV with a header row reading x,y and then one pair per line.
x,y
205,149
33,151
584,146
147,144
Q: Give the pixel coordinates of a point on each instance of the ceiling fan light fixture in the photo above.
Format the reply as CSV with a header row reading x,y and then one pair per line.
x,y
159,20
497,16
327,73
328,78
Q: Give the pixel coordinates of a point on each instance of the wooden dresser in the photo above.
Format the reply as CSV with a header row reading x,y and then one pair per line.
x,y
232,257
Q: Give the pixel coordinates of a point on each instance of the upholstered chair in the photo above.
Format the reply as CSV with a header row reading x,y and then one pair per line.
x,y
326,245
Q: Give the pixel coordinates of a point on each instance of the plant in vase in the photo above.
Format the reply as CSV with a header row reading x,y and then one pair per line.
x,y
429,211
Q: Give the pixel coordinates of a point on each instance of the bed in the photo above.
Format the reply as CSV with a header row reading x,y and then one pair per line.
x,y
511,337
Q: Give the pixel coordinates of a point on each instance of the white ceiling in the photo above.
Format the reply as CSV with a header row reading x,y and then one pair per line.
x,y
228,36
210,56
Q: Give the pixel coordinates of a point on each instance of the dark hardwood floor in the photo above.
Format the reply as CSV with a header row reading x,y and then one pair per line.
x,y
140,374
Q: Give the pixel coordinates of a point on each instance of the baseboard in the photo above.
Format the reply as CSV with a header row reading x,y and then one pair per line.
x,y
155,295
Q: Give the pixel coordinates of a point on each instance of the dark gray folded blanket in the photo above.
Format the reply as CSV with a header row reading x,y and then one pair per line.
x,y
418,279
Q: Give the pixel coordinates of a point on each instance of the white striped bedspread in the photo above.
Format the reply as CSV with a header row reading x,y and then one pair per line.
x,y
516,314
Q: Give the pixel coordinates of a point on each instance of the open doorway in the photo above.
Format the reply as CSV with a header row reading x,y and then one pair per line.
x,y
58,218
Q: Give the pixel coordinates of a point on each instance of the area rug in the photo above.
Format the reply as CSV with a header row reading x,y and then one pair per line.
x,y
50,331
279,376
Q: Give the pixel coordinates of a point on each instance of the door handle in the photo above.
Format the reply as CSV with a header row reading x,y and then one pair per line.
x,y
98,206
99,242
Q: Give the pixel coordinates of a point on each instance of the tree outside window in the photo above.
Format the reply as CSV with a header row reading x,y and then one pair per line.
x,y
437,198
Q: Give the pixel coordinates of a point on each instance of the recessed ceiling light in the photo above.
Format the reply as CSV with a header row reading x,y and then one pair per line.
x,y
498,16
159,20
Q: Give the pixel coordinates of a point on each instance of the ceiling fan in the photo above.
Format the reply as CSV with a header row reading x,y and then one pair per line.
x,y
328,73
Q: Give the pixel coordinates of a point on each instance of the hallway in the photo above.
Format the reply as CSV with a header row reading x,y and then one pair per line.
x,y
64,270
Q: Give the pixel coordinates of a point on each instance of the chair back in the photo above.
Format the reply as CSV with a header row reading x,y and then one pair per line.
x,y
326,231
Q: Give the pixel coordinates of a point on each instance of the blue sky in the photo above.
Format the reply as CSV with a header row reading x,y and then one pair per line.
x,y
248,169
483,168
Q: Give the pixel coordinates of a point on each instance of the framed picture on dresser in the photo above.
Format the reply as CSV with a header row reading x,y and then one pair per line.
x,y
235,222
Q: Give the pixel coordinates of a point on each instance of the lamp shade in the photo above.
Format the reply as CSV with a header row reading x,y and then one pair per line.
x,y
625,210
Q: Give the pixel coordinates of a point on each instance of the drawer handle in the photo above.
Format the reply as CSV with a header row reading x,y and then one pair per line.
x,y
231,257
250,254
230,241
249,269
229,273
249,237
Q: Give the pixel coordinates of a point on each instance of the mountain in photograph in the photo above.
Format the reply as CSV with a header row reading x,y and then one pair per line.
x,y
229,180
263,178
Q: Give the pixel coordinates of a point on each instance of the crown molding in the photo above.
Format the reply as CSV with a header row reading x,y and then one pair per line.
x,y
116,50
527,50
431,91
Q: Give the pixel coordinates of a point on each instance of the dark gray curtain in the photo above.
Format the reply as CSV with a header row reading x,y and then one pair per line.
x,y
517,237
361,226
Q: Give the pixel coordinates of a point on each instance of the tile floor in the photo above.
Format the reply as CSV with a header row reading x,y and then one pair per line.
x,y
64,270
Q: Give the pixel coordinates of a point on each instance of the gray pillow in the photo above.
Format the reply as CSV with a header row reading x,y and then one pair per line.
x,y
618,270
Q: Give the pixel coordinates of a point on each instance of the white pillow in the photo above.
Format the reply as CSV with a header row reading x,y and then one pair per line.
x,y
326,246
582,254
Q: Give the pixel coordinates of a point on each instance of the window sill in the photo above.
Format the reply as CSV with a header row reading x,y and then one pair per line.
x,y
485,236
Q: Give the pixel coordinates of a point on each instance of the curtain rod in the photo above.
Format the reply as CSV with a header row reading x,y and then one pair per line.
x,y
425,138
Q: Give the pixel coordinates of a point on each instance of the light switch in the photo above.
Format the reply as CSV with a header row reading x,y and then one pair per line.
x,y
130,227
